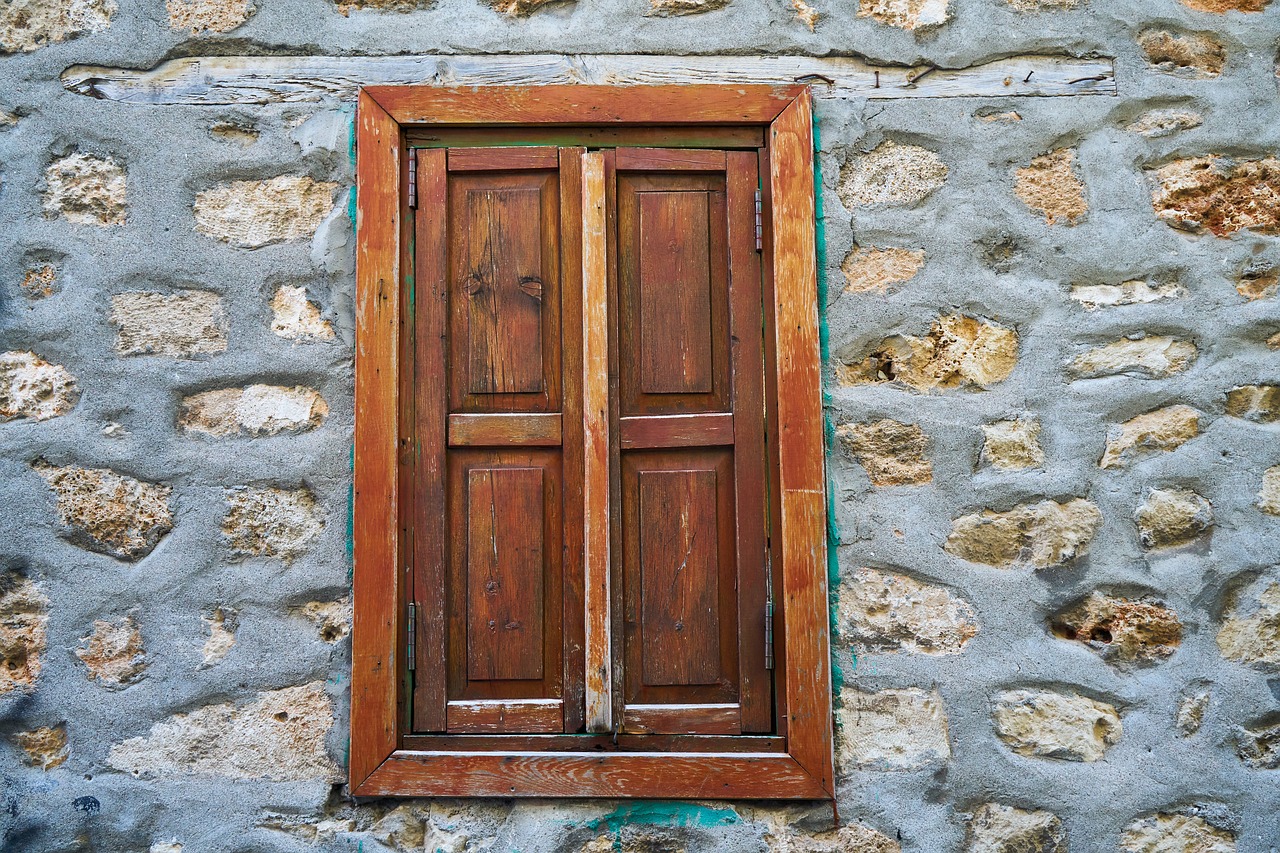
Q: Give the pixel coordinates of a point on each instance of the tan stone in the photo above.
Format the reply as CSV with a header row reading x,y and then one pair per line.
x,y
346,7
997,828
8,120
805,14
213,16
45,747
1044,724
1121,630
221,624
182,324
518,8
1158,431
252,214
165,847
27,25
1169,518
256,410
958,352
882,611
1274,341
1165,122
849,838
297,318
113,653
332,618
1137,292
1154,356
1042,5
906,14
1269,497
1257,403
1012,445
271,522
1258,282
31,387
24,618
1219,194
87,190
1197,55
1250,631
672,8
278,736
40,281
1221,7
873,269
1259,746
1039,535
994,115
901,729
892,174
241,133
109,512
893,453
1050,186
1191,711
1175,833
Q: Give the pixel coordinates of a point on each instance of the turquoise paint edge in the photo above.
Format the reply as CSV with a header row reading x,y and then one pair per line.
x,y
351,486
663,813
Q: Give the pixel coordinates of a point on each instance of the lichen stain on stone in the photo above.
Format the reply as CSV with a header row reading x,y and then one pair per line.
x,y
253,214
1121,630
1050,186
27,25
31,387
958,352
108,512
24,619
1040,535
1219,194
113,654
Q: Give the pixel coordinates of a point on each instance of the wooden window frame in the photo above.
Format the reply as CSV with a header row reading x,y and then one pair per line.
x,y
379,763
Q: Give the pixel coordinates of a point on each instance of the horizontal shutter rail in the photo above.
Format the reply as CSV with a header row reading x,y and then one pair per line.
x,y
516,430
701,430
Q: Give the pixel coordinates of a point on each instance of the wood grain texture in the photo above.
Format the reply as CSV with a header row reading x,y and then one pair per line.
x,y
498,716
721,719
646,432
669,159
598,136
506,430
499,159
593,743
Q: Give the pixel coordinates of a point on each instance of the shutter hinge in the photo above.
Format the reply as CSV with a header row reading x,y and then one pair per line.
x,y
759,222
413,630
413,178
768,609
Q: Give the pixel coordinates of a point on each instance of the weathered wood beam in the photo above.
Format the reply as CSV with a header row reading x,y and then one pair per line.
x,y
247,80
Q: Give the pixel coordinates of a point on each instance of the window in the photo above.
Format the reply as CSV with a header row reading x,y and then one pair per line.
x,y
588,445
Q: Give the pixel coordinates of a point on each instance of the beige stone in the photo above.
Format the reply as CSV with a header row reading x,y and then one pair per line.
x,y
87,190
893,453
45,747
1191,711
1012,445
1121,630
182,324
518,8
1170,518
892,174
221,624
1196,55
1045,724
848,838
1219,194
877,270
252,214
1042,5
166,847
1159,431
1137,292
1039,535
883,611
31,387
297,318
1274,341
27,25
1257,403
213,16
8,120
1259,746
1165,122
280,736
1154,356
113,654
958,352
1250,631
256,410
1050,186
331,618
1221,7
1258,282
997,828
24,618
239,132
1269,497
346,7
271,522
900,729
40,281
906,14
1175,833
109,512
805,14
672,8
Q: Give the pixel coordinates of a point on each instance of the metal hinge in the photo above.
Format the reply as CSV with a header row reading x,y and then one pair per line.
x,y
413,629
759,222
768,609
413,178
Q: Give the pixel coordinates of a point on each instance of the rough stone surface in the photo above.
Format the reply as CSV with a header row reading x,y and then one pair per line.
x,y
45,747
1121,630
1175,833
252,214
27,25
1170,518
1165,122
1039,535
183,324
346,7
892,174
24,620
892,730
1042,5
1195,55
214,16
1219,195
1221,7
297,318
113,654
1250,631
1045,724
876,270
1259,746
894,454
1269,497
256,410
108,512
31,387
271,522
1012,445
1051,187
518,8
673,8
40,281
850,838
958,352
87,190
1191,711
1136,292
1154,432
221,624
883,611
806,14
1153,356
1257,403
1258,281
331,618
906,14
997,828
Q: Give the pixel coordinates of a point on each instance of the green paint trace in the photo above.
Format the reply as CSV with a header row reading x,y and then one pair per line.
x,y
664,813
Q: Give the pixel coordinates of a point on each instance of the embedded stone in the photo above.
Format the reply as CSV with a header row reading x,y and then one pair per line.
x,y
113,653
518,8
1038,535
894,454
271,522
901,729
253,214
673,8
346,7
1175,833
872,269
40,281
891,174
1012,445
997,828
45,747
887,612
1153,356
1137,292
240,132
1159,431
109,512
221,624
331,618
279,736
1221,7
906,14
1191,711
1273,342
31,387
958,352
1259,746
1165,122
1250,631
1269,497
1121,630
1185,54
182,324
27,25
1050,186
24,618
212,16
297,318
256,410
1042,5
995,115
87,190
805,13
848,838
1044,724
1170,518
1258,281
1219,194
1257,403
165,847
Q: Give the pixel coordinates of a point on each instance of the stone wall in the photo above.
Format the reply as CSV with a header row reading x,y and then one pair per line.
x,y
1053,377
